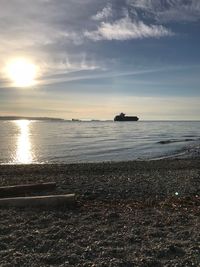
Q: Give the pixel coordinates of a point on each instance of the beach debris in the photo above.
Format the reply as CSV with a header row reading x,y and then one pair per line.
x,y
18,190
176,193
39,201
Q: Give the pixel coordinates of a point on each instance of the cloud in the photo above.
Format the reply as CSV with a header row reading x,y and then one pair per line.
x,y
104,13
56,36
169,10
65,67
126,29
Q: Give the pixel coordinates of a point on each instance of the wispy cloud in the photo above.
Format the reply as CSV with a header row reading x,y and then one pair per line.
x,y
126,29
169,10
100,74
105,13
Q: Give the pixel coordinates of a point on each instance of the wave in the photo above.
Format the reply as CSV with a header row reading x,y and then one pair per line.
x,y
169,141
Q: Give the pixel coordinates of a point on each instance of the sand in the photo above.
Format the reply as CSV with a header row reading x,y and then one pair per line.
x,y
127,214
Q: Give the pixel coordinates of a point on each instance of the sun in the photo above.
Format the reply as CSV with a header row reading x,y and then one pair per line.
x,y
21,72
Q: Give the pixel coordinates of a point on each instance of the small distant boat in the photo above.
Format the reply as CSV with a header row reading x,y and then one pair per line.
x,y
75,120
123,117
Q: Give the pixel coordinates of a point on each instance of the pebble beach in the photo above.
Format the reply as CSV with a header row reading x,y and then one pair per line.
x,y
134,213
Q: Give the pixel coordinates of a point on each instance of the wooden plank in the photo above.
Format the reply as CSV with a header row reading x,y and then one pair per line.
x,y
18,190
39,201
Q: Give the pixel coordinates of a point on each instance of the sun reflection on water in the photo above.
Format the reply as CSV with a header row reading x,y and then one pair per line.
x,y
24,149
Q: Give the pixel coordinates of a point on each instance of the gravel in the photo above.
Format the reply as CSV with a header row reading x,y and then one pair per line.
x,y
127,214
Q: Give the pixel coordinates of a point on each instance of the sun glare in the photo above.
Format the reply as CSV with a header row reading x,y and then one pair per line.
x,y
22,72
24,149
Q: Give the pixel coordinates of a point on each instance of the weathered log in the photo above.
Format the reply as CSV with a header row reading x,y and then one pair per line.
x,y
39,201
19,190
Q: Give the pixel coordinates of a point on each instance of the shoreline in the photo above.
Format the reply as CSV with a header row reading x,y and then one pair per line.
x,y
191,153
127,214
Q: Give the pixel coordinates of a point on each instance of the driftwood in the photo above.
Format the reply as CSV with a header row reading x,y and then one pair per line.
x,y
39,201
19,190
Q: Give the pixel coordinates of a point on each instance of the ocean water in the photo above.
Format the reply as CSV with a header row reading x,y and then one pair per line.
x,y
25,142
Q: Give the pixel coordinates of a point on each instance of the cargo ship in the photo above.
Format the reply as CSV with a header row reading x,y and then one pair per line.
x,y
123,117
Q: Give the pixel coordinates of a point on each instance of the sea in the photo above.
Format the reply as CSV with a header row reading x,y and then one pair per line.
x,y
39,142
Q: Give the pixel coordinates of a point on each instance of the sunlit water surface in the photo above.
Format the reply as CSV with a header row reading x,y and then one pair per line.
x,y
24,142
24,150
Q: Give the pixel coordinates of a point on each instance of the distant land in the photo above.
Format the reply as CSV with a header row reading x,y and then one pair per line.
x,y
11,118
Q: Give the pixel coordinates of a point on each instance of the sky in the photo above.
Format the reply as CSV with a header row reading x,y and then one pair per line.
x,y
95,59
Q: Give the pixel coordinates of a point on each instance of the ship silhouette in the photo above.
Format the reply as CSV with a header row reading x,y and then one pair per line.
x,y
123,117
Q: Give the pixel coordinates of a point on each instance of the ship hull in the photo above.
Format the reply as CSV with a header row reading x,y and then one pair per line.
x,y
126,118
